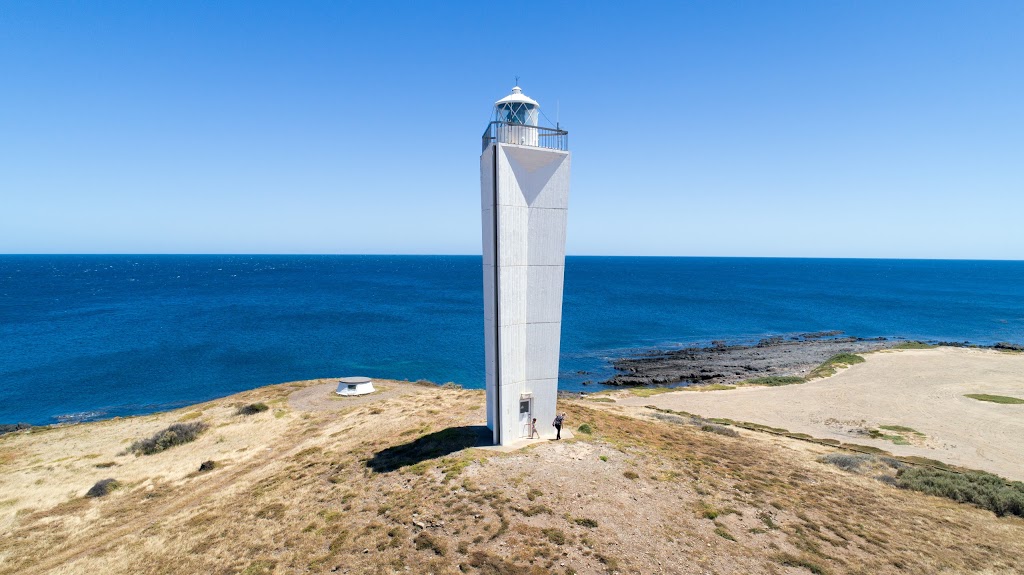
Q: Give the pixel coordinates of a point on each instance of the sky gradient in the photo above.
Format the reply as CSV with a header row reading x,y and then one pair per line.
x,y
817,129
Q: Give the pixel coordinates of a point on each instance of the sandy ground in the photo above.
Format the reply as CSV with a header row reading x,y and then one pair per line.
x,y
920,389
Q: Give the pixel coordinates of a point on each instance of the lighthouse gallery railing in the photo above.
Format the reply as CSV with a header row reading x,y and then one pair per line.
x,y
524,135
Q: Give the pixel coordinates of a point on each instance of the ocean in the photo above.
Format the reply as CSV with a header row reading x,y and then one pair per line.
x,y
88,337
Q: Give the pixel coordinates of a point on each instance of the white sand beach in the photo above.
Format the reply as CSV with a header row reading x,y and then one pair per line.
x,y
920,389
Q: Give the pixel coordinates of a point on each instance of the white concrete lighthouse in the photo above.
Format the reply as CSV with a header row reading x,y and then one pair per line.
x,y
524,183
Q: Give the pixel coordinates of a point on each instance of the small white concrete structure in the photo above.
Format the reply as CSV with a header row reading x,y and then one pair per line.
x,y
524,184
355,386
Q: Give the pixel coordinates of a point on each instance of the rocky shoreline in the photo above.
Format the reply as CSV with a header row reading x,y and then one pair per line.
x,y
721,363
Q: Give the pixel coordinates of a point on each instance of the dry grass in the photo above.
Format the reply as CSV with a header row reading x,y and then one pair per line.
x,y
344,488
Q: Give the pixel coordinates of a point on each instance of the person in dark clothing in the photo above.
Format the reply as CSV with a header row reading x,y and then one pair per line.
x,y
559,419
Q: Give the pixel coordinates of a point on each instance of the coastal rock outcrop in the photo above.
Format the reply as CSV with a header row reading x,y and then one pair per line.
x,y
721,363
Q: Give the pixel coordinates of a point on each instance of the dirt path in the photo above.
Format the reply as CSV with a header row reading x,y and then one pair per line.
x,y
920,389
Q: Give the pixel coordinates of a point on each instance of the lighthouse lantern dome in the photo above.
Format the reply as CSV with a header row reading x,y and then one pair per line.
x,y
517,108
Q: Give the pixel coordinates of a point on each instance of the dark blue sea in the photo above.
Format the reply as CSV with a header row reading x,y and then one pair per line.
x,y
85,337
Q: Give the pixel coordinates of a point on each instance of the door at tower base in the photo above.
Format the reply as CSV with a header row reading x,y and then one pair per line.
x,y
525,194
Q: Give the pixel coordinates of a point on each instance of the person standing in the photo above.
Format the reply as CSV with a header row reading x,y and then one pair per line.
x,y
533,429
559,419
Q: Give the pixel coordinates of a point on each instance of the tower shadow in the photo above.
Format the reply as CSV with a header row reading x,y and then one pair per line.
x,y
430,446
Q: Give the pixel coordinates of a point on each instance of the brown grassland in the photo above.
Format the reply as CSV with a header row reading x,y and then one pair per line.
x,y
385,484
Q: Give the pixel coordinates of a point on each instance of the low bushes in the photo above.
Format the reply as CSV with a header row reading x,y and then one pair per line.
x,y
846,461
425,540
102,488
719,429
833,363
175,434
913,345
252,409
979,488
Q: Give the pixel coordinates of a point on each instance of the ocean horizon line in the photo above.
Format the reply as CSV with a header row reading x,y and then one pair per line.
x,y
450,255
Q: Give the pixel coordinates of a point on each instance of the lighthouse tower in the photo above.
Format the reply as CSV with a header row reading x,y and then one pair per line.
x,y
524,184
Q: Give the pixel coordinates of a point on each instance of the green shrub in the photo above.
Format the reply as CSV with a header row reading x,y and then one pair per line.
x,y
556,536
830,365
585,522
176,434
252,409
586,428
102,488
534,510
722,532
995,398
913,345
985,490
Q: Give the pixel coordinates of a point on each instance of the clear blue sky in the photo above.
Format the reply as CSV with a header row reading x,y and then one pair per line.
x,y
822,129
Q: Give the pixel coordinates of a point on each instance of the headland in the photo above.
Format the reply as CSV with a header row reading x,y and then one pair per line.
x,y
291,479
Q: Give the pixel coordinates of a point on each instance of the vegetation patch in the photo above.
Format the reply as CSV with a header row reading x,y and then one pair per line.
x,y
534,510
175,434
913,345
897,439
985,490
833,363
995,398
719,429
864,448
102,488
586,428
708,512
556,536
425,540
585,522
488,564
846,461
774,380
722,532
630,475
252,409
900,428
260,567
790,560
